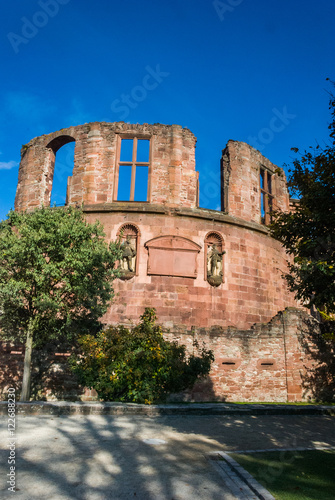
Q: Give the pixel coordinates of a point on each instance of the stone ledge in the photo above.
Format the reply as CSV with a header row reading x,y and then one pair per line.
x,y
150,208
82,408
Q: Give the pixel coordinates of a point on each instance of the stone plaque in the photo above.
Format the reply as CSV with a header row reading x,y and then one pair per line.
x,y
172,256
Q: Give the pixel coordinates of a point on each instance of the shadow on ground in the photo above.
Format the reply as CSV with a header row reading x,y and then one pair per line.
x,y
108,457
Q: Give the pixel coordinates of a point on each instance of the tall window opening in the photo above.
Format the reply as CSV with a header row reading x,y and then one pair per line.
x,y
265,180
64,162
132,173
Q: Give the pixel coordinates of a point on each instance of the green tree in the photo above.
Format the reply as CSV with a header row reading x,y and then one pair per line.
x,y
308,232
138,365
56,274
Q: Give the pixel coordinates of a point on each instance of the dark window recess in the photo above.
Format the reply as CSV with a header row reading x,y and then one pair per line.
x,y
267,364
265,181
230,364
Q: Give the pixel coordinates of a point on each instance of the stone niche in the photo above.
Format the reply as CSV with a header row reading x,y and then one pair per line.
x,y
172,256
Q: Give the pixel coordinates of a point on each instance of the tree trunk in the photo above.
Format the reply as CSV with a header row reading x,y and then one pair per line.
x,y
25,394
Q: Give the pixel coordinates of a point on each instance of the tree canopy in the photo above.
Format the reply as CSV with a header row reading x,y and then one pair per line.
x,y
56,276
308,232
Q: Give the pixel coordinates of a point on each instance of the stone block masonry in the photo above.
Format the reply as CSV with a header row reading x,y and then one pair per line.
x,y
211,274
173,179
268,362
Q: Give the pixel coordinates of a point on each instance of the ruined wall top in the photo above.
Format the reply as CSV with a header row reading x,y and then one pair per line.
x,y
251,185
159,157
155,164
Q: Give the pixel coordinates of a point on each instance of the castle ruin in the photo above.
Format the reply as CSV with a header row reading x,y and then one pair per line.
x,y
213,275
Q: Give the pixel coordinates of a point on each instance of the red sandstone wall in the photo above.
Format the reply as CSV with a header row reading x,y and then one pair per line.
x,y
253,289
269,362
241,166
272,361
174,181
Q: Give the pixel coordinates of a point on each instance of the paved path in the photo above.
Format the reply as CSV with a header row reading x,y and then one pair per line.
x,y
137,457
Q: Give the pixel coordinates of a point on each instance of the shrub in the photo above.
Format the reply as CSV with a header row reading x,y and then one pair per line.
x,y
138,365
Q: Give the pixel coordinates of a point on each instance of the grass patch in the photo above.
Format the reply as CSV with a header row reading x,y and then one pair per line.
x,y
293,475
295,403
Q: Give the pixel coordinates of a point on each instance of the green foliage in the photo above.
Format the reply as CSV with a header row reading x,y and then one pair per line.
x,y
56,273
138,365
294,474
308,233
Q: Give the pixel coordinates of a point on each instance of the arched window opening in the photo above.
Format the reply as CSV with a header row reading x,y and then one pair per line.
x,y
64,161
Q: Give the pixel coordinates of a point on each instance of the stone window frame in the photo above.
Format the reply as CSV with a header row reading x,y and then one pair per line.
x,y
134,227
266,194
134,163
208,242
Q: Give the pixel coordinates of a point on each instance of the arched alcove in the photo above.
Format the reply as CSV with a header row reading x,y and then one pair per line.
x,y
129,235
214,258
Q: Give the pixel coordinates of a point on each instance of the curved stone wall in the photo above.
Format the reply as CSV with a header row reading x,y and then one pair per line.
x,y
252,289
213,276
170,239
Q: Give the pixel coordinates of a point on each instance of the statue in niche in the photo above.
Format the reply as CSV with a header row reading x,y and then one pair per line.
x,y
128,256
215,265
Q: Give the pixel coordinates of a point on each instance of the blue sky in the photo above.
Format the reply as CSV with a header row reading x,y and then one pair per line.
x,y
252,71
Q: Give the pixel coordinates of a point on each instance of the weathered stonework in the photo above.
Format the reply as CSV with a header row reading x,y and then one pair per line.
x,y
283,360
173,236
173,176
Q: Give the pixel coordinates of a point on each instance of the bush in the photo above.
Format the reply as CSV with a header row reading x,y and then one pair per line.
x,y
138,365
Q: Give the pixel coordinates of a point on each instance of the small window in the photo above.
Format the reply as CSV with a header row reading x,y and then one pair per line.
x,y
266,198
266,364
230,363
132,170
